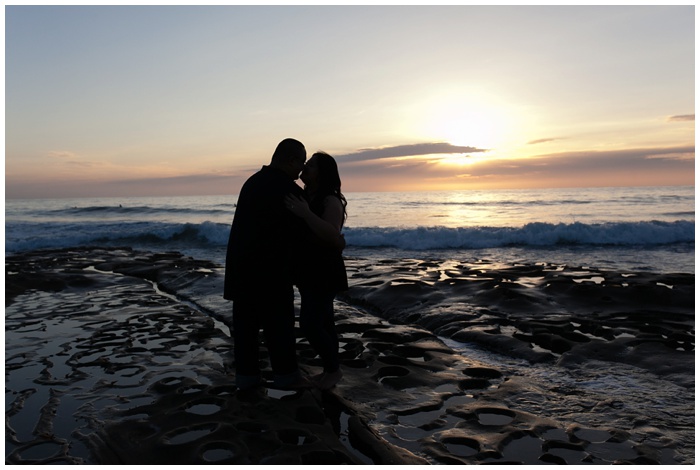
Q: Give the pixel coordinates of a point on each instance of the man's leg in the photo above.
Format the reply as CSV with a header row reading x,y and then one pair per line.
x,y
278,328
246,348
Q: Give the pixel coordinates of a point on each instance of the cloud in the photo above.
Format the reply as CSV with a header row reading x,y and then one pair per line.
x,y
542,141
196,184
379,172
569,162
641,166
193,179
61,154
679,156
681,118
71,160
410,150
85,164
376,170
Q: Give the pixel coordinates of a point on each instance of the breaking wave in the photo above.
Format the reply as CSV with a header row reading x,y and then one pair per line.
x,y
25,236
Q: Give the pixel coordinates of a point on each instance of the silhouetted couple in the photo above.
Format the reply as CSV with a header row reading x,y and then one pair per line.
x,y
283,236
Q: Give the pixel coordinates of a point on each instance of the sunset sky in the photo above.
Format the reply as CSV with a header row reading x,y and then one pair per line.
x,y
178,100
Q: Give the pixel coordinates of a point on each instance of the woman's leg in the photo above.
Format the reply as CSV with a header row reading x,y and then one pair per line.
x,y
317,321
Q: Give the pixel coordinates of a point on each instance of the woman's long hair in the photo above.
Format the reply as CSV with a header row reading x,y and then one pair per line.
x,y
328,183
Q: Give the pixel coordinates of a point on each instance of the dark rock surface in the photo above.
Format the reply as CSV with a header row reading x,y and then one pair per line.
x,y
119,357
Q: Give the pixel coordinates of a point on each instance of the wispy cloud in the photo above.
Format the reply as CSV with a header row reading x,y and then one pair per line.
x,y
543,141
68,159
593,162
212,183
681,117
410,150
61,154
193,179
84,164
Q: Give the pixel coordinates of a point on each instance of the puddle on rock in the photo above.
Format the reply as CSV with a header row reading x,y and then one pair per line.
x,y
495,417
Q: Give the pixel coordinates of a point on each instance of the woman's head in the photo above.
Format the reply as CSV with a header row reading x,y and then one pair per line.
x,y
321,174
321,177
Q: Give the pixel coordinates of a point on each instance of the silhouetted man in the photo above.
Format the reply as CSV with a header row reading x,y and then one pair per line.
x,y
259,262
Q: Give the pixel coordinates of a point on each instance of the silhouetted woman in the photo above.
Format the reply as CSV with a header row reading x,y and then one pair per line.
x,y
322,271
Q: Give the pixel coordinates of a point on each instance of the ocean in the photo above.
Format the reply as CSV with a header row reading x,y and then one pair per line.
x,y
618,228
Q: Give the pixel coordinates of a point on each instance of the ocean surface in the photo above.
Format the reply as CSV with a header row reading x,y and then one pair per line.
x,y
638,228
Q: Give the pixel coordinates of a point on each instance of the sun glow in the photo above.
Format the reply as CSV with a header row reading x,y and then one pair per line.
x,y
473,120
458,160
473,128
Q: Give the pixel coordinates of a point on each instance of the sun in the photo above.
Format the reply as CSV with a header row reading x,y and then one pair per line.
x,y
471,128
468,119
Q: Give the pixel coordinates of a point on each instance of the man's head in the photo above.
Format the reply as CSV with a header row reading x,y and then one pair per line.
x,y
289,156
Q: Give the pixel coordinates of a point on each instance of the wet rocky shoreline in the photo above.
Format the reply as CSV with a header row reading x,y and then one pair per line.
x,y
117,356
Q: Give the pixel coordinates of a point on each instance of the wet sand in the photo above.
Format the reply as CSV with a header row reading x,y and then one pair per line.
x,y
114,356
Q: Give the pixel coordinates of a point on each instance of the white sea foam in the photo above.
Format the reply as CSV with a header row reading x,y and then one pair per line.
x,y
532,234
613,222
27,235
